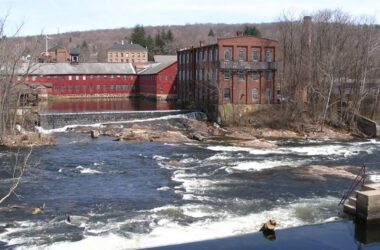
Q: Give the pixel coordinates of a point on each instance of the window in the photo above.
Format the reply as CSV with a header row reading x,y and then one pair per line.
x,y
63,88
41,77
255,94
34,78
91,88
124,77
111,87
70,78
104,87
205,56
56,87
227,75
105,77
76,77
76,88
70,88
84,77
63,77
269,56
166,78
111,77
48,77
91,77
19,78
227,93
255,75
268,94
122,54
118,76
97,87
269,76
84,87
55,77
241,75
227,54
242,55
256,56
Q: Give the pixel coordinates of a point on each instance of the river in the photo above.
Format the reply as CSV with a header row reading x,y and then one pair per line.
x,y
145,194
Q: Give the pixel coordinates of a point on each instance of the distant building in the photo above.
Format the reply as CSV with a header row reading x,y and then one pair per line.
x,y
127,53
164,58
235,72
159,81
55,54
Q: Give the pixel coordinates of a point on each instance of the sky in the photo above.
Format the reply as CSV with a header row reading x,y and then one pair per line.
x,y
59,16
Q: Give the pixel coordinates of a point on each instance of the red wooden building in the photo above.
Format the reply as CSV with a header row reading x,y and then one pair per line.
x,y
159,81
85,79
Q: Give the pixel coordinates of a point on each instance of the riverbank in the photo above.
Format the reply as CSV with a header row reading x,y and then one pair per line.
x,y
28,139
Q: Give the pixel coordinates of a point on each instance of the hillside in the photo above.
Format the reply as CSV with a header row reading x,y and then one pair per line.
x,y
95,43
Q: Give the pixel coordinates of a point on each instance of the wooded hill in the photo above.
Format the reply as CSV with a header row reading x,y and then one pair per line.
x,y
94,44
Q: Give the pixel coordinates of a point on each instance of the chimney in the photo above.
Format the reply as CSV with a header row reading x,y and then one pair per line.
x,y
201,43
239,33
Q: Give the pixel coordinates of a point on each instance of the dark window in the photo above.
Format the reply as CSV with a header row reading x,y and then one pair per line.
x,y
55,77
256,55
227,75
256,75
227,54
48,77
269,55
63,77
268,94
76,88
63,88
98,77
70,88
255,94
241,75
269,76
104,87
242,56
56,87
84,87
91,77
227,93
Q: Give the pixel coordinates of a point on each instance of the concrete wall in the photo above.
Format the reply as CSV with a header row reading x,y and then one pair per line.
x,y
59,120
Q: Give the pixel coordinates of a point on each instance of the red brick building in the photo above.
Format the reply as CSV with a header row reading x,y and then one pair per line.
x,y
55,54
159,81
235,71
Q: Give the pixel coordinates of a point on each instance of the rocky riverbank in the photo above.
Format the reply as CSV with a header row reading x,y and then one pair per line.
x,y
28,139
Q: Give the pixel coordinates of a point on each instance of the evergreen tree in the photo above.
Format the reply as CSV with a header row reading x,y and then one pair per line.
x,y
211,33
169,36
138,35
251,31
149,43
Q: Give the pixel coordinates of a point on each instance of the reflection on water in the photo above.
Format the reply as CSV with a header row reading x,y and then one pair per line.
x,y
103,104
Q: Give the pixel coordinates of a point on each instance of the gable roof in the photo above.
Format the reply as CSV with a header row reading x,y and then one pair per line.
x,y
127,46
55,47
80,69
156,68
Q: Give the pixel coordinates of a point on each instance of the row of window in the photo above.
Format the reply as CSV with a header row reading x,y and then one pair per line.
x,y
203,74
255,75
127,60
76,77
205,55
255,94
91,88
126,55
161,77
256,54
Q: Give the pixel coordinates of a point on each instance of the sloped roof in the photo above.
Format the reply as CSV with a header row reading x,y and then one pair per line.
x,y
244,36
55,47
80,69
165,58
127,46
156,68
74,51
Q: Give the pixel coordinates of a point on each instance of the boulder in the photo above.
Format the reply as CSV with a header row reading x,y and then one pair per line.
x,y
95,134
256,144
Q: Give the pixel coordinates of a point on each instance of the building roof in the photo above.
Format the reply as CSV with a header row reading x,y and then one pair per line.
x,y
244,36
74,51
55,47
80,69
165,58
127,46
156,68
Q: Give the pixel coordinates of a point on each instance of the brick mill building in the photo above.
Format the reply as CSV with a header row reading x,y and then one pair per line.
x,y
234,72
127,53
159,81
55,54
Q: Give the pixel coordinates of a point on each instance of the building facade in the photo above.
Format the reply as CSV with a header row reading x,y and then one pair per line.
x,y
85,79
159,81
55,54
127,53
235,71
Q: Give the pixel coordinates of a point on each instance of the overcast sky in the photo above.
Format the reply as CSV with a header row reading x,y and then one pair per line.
x,y
51,16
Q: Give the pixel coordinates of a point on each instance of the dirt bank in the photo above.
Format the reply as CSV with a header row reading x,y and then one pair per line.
x,y
29,139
